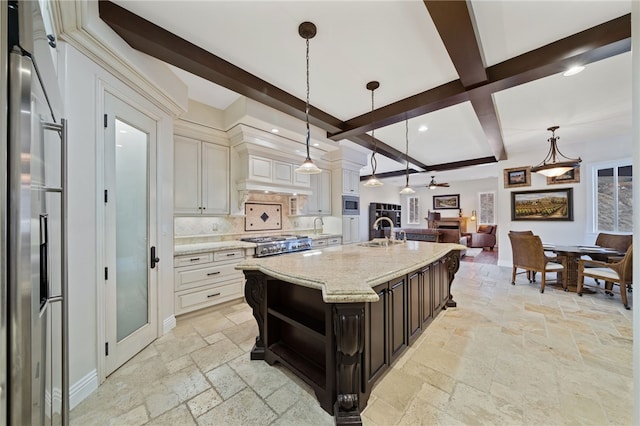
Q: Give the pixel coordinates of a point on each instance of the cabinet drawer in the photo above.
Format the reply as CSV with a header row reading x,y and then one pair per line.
x,y
186,302
320,243
228,255
334,241
204,276
193,259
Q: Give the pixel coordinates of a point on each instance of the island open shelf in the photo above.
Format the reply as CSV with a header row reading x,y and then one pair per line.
x,y
342,338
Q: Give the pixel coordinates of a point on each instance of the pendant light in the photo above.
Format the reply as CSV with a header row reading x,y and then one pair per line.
x,y
407,190
307,30
373,181
550,166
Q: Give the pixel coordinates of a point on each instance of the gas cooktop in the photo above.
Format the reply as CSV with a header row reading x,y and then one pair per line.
x,y
279,244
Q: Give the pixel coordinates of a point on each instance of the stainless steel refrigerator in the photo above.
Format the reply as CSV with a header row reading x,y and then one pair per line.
x,y
33,303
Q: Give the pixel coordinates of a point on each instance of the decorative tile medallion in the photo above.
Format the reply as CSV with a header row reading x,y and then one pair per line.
x,y
262,217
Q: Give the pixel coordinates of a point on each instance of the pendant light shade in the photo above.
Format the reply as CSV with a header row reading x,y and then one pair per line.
x,y
307,30
551,166
373,181
407,190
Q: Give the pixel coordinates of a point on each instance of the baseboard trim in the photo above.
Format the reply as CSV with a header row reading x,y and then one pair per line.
x,y
81,389
168,324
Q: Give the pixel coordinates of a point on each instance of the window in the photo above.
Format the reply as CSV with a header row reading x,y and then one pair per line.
x,y
413,210
487,208
613,197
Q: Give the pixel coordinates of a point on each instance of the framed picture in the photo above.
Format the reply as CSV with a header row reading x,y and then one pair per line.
x,y
572,176
517,176
443,202
546,204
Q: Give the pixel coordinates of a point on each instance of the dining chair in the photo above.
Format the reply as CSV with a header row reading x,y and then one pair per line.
x,y
531,275
613,272
530,256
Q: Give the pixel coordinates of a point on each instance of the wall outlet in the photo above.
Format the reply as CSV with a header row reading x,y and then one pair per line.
x,y
214,227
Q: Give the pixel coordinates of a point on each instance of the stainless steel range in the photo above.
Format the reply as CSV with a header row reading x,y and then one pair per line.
x,y
279,244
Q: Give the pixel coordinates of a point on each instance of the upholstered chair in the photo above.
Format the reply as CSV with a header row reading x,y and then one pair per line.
x,y
485,236
530,256
618,272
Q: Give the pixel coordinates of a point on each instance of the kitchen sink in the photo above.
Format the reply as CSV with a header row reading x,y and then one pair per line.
x,y
380,242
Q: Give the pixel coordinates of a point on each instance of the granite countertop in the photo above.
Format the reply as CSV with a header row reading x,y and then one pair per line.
x,y
347,273
185,249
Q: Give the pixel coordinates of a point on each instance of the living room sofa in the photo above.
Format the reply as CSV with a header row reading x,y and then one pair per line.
x,y
485,236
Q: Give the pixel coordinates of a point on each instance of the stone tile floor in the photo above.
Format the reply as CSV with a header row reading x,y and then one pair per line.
x,y
507,355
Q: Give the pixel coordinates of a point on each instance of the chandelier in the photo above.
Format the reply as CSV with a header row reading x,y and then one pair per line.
x,y
407,190
307,30
373,181
551,166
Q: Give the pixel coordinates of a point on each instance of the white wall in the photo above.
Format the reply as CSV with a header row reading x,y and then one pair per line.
x,y
560,232
80,80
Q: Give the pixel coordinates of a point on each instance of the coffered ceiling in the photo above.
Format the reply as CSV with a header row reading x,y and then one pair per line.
x,y
485,77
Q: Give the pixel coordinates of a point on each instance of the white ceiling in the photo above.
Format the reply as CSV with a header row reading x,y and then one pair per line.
x,y
396,43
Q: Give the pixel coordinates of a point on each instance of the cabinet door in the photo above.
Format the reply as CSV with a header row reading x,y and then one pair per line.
x,y
324,195
427,295
350,181
301,179
215,179
414,294
282,172
186,179
376,355
444,282
319,202
350,229
260,169
437,288
397,317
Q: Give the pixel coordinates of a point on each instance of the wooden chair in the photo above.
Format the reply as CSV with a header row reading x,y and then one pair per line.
x,y
614,272
530,256
531,276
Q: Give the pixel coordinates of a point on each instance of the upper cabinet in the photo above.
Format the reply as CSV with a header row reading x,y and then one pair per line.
x,y
201,177
319,202
350,182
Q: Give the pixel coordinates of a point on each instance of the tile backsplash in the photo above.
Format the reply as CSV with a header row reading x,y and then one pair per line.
x,y
192,229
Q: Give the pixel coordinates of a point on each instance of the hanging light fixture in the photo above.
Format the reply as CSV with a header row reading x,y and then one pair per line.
x,y
373,181
550,166
307,30
407,190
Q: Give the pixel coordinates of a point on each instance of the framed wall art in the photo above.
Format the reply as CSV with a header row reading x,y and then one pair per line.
x,y
443,202
517,176
546,204
572,176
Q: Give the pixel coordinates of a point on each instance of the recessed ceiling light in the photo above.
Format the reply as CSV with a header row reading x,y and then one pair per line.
x,y
274,130
316,144
423,128
573,71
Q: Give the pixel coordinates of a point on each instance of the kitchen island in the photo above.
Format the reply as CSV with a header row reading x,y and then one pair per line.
x,y
339,317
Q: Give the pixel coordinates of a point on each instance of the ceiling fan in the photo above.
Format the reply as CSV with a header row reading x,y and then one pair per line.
x,y
434,185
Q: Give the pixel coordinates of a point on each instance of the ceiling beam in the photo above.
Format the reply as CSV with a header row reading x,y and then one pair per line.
x,y
436,167
600,42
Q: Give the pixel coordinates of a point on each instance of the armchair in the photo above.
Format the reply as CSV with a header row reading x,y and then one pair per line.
x,y
484,237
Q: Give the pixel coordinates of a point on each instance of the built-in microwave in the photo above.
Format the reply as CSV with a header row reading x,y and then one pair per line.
x,y
350,205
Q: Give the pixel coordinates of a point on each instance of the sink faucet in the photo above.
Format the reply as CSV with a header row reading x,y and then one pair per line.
x,y
375,226
404,234
315,230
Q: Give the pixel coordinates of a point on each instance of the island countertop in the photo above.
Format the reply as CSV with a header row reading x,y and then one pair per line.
x,y
347,273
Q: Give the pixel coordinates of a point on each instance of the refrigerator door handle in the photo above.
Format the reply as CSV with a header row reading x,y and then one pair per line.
x,y
154,259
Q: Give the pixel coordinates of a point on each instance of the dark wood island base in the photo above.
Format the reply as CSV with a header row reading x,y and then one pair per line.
x,y
342,349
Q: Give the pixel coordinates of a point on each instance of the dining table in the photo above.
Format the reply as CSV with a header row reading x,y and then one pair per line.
x,y
573,253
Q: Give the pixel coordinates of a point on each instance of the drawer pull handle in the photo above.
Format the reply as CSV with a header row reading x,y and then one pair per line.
x,y
230,254
213,273
213,295
193,259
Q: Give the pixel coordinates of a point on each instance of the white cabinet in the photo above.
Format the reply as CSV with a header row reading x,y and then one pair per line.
x,y
276,172
350,181
206,279
350,229
326,242
319,202
201,177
